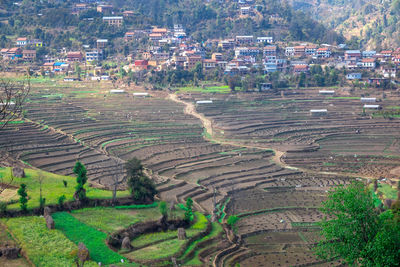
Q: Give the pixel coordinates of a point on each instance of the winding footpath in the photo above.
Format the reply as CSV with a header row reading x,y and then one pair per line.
x,y
190,109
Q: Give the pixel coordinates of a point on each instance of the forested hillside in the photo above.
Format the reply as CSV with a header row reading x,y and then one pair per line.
x,y
372,24
54,23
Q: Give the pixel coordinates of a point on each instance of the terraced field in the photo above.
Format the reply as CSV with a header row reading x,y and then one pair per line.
x,y
232,172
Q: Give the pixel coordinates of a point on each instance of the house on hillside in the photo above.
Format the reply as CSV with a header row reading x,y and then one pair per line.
x,y
265,40
114,21
21,41
300,68
244,39
324,52
367,63
353,76
388,71
29,55
74,56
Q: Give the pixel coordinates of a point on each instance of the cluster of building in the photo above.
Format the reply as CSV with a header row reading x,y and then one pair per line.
x,y
173,48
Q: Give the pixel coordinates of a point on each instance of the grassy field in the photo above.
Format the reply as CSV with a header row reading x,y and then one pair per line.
x,y
169,245
94,240
109,220
45,248
53,188
211,89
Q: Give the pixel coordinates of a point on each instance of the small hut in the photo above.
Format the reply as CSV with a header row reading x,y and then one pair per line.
x,y
318,112
117,91
142,95
368,99
372,107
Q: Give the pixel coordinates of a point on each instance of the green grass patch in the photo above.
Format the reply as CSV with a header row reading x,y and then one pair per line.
x,y
388,191
83,92
170,245
93,239
108,219
215,231
11,122
210,89
139,206
45,248
52,187
343,97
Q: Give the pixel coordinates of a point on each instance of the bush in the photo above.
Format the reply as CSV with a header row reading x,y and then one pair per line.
x,y
3,207
42,203
23,199
189,212
61,200
163,208
65,183
232,220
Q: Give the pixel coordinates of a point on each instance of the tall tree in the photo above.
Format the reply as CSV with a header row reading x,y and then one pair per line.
x,y
81,179
141,187
354,230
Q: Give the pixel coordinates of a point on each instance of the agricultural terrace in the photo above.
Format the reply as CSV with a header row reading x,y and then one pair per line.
x,y
235,168
53,187
348,139
44,247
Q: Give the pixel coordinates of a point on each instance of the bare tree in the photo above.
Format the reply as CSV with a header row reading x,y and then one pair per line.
x,y
115,171
12,98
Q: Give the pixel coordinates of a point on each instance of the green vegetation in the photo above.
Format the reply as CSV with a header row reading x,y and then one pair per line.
x,y
52,188
170,244
93,239
215,231
140,186
212,89
110,219
357,232
23,197
81,179
44,247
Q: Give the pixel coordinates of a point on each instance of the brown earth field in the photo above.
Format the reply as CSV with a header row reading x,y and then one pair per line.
x,y
260,156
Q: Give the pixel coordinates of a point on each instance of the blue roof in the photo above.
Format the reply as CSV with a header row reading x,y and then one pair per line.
x,y
59,63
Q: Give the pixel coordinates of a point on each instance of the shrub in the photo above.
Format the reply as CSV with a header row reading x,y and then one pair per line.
x,y
81,179
23,199
65,183
232,220
189,212
3,207
42,203
163,208
61,200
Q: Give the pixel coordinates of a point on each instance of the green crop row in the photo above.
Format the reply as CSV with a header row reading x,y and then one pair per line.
x,y
93,239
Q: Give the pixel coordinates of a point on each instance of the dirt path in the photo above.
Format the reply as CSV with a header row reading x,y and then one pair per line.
x,y
190,109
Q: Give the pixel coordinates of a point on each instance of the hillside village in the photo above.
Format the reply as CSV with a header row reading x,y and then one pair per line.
x,y
163,49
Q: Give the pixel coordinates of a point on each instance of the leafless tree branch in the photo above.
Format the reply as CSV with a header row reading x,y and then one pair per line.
x,y
12,98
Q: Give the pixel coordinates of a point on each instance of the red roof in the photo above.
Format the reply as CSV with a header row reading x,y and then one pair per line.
x,y
298,67
323,49
22,39
368,60
141,62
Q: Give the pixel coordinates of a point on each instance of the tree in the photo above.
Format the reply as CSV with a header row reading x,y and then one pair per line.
x,y
189,209
81,179
12,99
355,231
141,187
23,197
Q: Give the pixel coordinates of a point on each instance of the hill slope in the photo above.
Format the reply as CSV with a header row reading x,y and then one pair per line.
x,y
373,24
